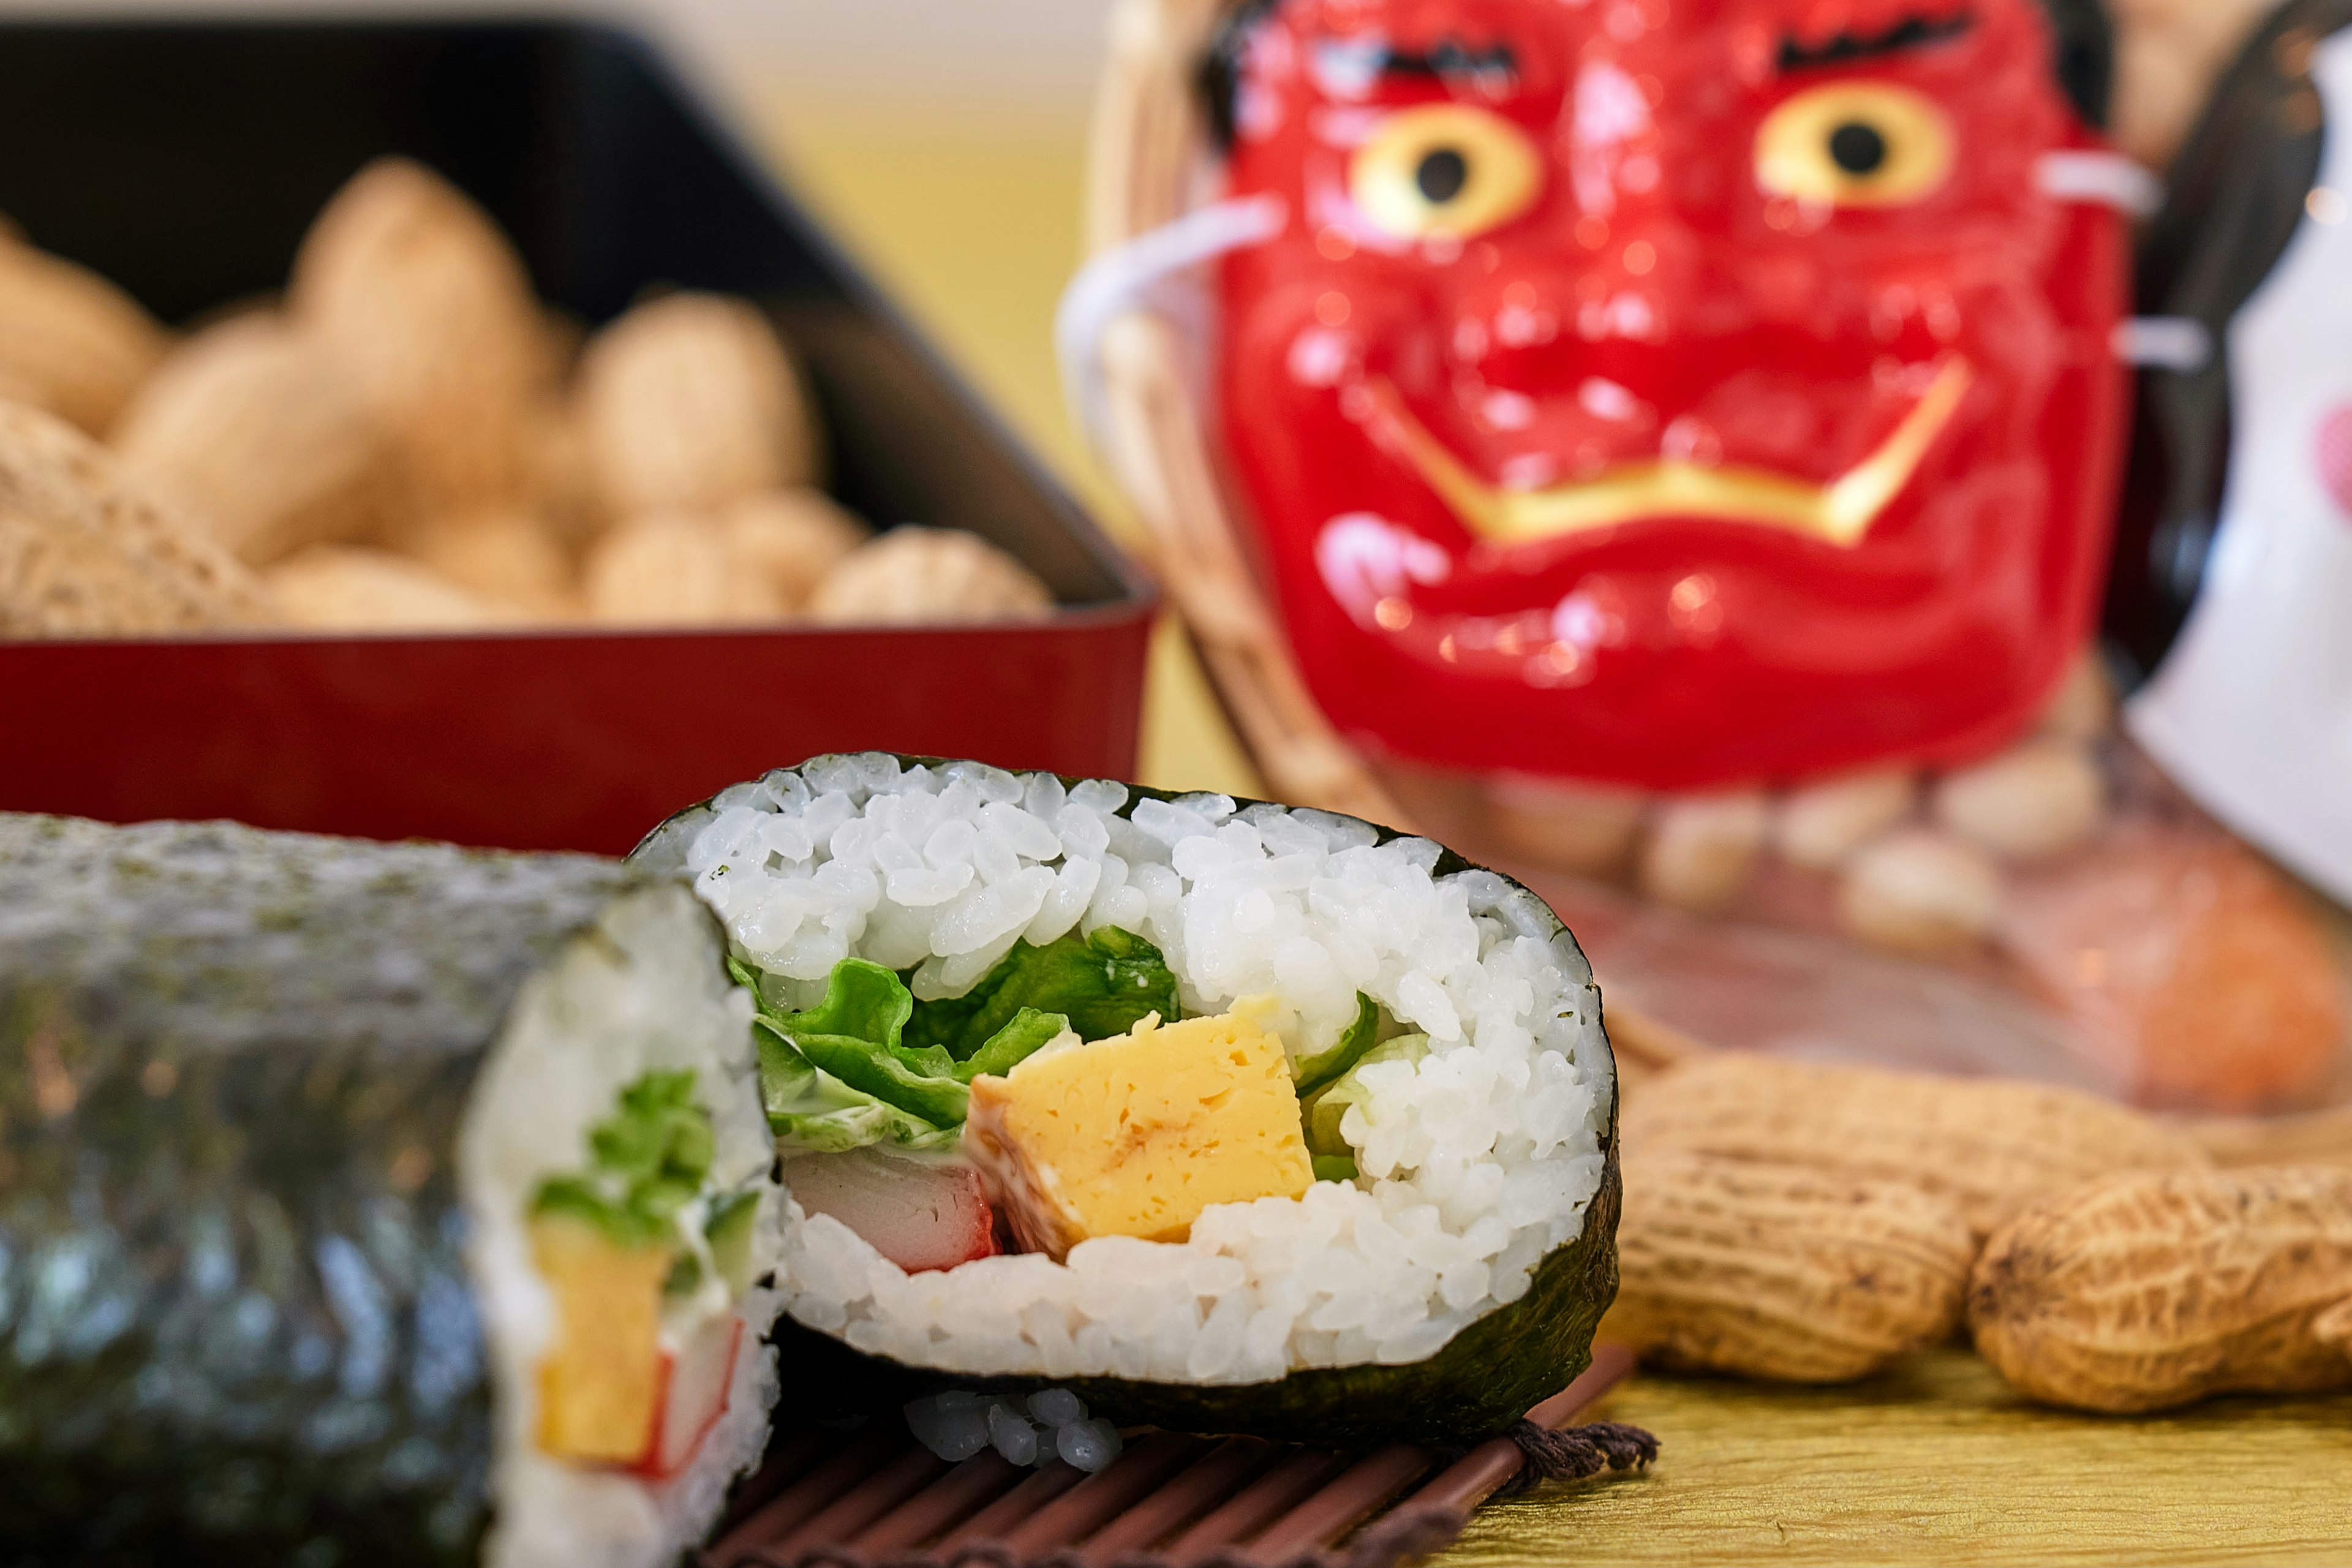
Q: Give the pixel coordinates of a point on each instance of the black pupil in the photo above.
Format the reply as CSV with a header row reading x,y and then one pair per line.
x,y
1442,174
1857,149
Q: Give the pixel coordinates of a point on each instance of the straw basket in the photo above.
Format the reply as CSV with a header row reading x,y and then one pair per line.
x,y
1150,162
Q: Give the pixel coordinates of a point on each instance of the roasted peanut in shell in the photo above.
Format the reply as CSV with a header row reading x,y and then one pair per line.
x,y
1782,1272
690,402
256,432
430,311
71,341
84,552
940,575
1993,1147
2151,1290
356,588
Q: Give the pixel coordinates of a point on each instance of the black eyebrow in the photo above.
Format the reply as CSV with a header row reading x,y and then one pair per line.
x,y
1451,58
1841,49
1491,70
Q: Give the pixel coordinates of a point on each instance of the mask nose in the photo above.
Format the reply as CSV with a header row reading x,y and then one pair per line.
x,y
1632,313
1664,345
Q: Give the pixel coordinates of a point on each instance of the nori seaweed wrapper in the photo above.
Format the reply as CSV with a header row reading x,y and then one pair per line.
x,y
235,1315
1474,1386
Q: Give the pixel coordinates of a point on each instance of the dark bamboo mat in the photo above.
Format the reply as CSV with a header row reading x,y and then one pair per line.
x,y
1169,1499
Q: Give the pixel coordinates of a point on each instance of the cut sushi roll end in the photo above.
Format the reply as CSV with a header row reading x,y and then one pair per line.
x,y
1288,1125
417,1202
616,1170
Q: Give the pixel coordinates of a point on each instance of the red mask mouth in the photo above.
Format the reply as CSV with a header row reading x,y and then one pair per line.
x,y
1671,396
1837,512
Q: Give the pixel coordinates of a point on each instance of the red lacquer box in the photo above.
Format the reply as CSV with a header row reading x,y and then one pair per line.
x,y
184,161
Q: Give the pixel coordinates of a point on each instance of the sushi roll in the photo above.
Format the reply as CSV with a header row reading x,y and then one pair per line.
x,y
1222,1116
366,1202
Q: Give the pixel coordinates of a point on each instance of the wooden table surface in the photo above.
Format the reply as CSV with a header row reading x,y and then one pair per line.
x,y
1937,1461
972,220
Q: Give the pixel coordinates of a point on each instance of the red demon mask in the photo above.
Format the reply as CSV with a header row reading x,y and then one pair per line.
x,y
1672,393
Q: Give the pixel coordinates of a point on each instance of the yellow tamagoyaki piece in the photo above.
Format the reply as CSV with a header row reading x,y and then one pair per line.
x,y
1138,1134
600,1383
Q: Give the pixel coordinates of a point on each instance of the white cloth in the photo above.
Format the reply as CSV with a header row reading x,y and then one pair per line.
x,y
2251,710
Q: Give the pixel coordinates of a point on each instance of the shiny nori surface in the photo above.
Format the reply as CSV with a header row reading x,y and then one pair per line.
x,y
1488,1376
234,1321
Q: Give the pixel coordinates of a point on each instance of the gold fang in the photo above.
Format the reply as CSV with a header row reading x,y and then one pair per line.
x,y
1839,512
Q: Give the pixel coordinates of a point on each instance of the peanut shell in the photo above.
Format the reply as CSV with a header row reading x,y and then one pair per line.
x,y
940,575
1780,1272
791,538
676,571
1992,1147
1919,891
255,430
71,341
354,588
1819,824
560,483
504,556
2147,1291
430,312
690,402
83,552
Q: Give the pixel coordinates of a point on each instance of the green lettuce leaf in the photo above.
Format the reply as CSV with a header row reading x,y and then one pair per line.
x,y
659,1132
645,1161
836,1076
862,1001
729,1230
938,1099
853,1035
1103,984
1325,1066
785,1076
583,1198
836,1118
1029,1032
869,1064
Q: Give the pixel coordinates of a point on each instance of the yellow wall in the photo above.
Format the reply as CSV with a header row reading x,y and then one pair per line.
x,y
968,211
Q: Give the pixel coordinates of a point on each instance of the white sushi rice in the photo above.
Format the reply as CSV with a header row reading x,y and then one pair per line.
x,y
647,994
1476,1162
1049,1425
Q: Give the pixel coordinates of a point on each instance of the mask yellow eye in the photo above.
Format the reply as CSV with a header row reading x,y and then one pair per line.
x,y
1443,169
1854,144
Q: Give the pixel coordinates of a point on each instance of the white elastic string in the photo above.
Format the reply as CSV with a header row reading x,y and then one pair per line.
x,y
2163,343
2109,179
1123,278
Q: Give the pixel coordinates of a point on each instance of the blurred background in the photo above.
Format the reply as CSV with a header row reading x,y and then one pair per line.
x,y
944,141
947,140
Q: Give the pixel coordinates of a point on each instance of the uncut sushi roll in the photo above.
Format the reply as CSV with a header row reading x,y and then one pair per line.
x,y
370,1203
1219,1115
